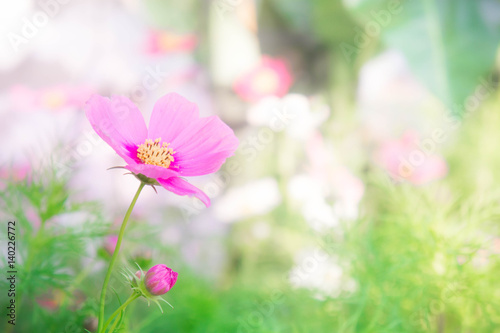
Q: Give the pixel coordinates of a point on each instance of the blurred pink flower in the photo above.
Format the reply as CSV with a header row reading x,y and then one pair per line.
x,y
22,98
33,217
344,184
160,42
320,158
58,97
110,243
54,298
333,178
17,172
159,280
496,246
178,143
53,98
410,159
51,300
270,78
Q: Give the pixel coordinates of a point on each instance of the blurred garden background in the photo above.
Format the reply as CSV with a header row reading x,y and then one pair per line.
x,y
364,195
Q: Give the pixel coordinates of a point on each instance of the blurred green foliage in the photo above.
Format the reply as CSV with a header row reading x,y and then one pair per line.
x,y
421,258
450,45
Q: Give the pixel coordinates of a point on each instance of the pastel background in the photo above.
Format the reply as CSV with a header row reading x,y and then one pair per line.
x,y
364,195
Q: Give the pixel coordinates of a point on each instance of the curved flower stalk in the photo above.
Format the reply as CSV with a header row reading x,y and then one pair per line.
x,y
177,144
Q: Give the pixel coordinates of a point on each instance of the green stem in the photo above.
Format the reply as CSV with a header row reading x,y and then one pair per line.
x,y
115,322
114,256
120,309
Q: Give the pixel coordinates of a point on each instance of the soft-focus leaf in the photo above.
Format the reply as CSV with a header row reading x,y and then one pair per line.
x,y
450,45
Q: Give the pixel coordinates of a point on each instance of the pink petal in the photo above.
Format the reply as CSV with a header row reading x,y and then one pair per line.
x,y
151,171
118,122
173,279
171,115
201,145
181,187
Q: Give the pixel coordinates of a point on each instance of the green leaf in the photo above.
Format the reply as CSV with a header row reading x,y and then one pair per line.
x,y
297,13
450,45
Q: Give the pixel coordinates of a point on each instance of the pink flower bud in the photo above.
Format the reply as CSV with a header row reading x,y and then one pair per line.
x,y
159,280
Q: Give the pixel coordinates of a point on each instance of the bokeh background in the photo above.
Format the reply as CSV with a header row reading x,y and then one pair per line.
x,y
363,197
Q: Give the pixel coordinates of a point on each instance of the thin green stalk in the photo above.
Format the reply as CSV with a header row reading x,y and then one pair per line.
x,y
114,256
115,322
120,309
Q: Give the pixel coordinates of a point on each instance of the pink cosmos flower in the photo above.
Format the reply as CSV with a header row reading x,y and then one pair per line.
x,y
178,142
270,78
411,159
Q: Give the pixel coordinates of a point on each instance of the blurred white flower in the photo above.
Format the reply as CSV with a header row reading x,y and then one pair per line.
x,y
308,194
387,86
36,134
345,189
300,120
348,190
319,214
302,187
256,198
321,273
93,46
351,3
261,230
233,42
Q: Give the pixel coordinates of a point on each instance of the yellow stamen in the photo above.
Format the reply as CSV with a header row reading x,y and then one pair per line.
x,y
151,152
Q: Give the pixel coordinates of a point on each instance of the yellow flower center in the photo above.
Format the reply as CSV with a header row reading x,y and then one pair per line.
x,y
266,81
154,153
53,99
